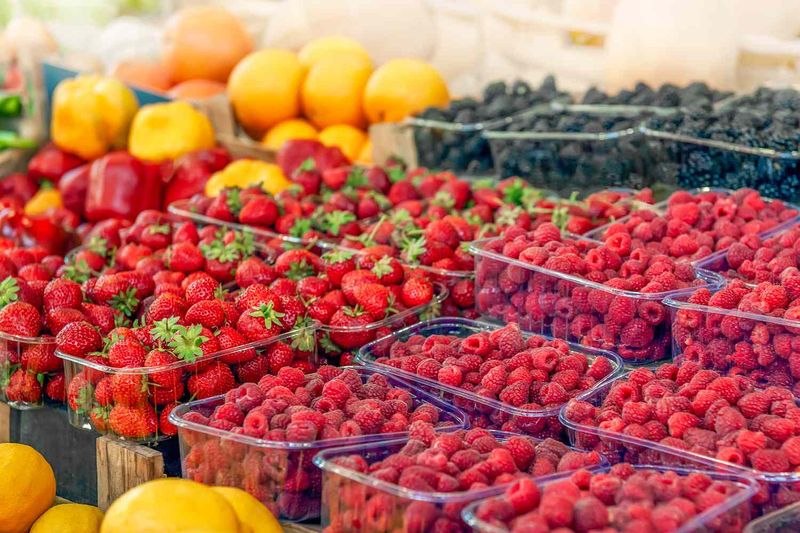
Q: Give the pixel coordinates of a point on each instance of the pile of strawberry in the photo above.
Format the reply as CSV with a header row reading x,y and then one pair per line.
x,y
626,498
596,314
696,225
445,463
293,407
689,409
765,352
533,374
758,260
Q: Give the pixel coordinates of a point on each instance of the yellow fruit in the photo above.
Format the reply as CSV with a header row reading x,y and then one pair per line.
x,y
332,45
168,131
204,42
350,140
27,487
171,505
333,91
245,173
44,200
250,511
403,87
264,89
294,128
365,156
69,518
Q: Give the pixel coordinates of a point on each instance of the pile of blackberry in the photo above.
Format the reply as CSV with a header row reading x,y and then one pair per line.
x,y
696,95
465,151
766,118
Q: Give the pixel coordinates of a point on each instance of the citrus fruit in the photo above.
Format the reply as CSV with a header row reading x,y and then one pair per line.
x,y
27,487
329,46
264,89
150,75
204,42
365,156
403,87
333,91
294,128
350,140
196,89
69,518
250,511
171,504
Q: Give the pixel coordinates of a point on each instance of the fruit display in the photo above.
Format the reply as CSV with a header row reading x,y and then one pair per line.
x,y
688,415
624,497
695,96
780,521
422,483
744,331
502,379
450,137
25,470
263,436
604,295
695,224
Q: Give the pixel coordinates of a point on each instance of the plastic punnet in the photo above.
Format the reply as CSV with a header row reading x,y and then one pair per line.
x,y
279,474
785,520
483,412
20,387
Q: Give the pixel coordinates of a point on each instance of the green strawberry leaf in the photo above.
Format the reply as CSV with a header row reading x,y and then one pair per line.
x,y
9,291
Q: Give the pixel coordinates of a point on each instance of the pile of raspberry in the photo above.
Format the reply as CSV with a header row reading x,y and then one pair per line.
x,y
533,374
635,327
765,352
447,462
624,499
696,225
694,410
758,260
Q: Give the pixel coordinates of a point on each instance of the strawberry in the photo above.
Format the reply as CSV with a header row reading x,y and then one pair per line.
x,y
214,380
312,287
336,264
126,353
185,232
297,264
261,323
355,278
55,388
41,358
184,257
254,270
280,355
78,339
130,254
165,306
220,207
375,299
21,319
166,379
253,370
57,319
103,317
24,386
207,313
321,310
308,177
335,178
128,389
139,422
389,271
351,331
228,339
259,211
254,296
442,231
165,427
416,291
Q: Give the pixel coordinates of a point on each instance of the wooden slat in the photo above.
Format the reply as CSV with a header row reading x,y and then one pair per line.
x,y
300,528
123,465
5,423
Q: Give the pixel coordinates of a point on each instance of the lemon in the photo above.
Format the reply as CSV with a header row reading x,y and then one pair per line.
x,y
69,518
294,128
333,91
350,140
27,487
403,87
250,511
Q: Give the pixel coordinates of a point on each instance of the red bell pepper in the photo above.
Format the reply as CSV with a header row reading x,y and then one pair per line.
x,y
120,185
191,172
73,187
19,186
50,163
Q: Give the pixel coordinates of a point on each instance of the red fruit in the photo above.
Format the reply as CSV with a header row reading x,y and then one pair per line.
x,y
184,257
417,291
126,353
297,264
128,389
349,328
41,358
253,270
355,278
56,388
207,313
259,211
375,299
165,306
21,319
58,319
61,293
214,380
23,387
79,339
135,422
202,288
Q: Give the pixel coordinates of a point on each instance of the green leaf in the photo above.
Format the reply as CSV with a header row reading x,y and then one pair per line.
x,y
186,343
159,229
9,291
332,222
233,200
300,227
357,178
165,329
396,174
126,302
269,314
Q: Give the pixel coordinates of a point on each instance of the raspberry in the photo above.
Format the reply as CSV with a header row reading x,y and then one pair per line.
x,y
552,394
524,496
770,461
516,394
337,391
291,378
495,379
590,514
728,420
522,450
778,429
679,422
791,447
556,510
726,387
450,375
636,413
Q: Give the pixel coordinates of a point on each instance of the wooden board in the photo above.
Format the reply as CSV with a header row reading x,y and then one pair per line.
x,y
300,528
123,465
5,423
392,140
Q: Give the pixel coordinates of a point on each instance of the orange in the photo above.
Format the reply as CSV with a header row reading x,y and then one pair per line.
x,y
204,42
27,487
350,140
294,128
333,91
150,75
365,156
264,89
331,46
403,87
196,89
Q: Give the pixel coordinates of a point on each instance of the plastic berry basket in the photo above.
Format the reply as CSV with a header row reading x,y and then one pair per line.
x,y
335,341
347,494
574,309
777,488
21,387
786,520
279,474
576,160
483,412
726,517
710,336
92,409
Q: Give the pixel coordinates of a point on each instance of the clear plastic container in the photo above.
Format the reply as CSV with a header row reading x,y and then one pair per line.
x,y
776,488
279,474
571,308
21,387
335,341
161,387
483,412
786,520
726,517
566,161
347,494
708,336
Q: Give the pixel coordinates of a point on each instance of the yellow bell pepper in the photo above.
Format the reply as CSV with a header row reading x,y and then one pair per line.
x,y
168,131
91,115
246,173
44,200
